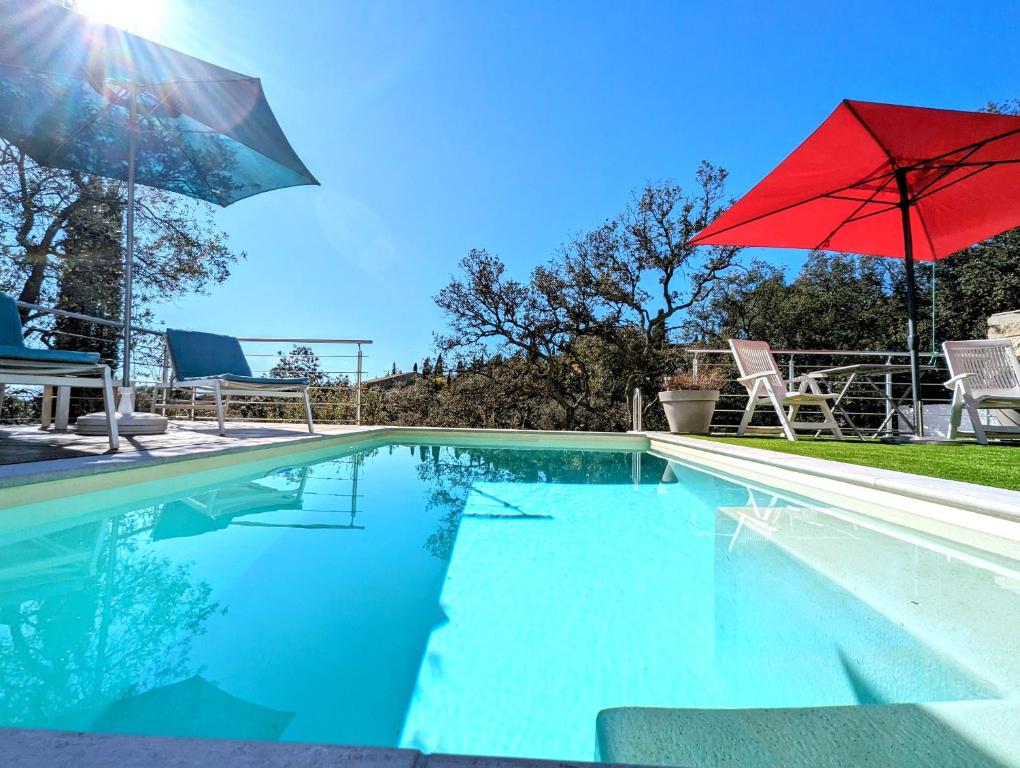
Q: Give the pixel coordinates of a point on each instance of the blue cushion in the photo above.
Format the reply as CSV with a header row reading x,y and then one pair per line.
x,y
297,381
12,352
11,333
198,355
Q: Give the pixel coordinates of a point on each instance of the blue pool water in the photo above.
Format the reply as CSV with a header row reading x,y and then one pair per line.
x,y
466,600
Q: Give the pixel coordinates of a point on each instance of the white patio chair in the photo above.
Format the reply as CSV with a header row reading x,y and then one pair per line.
x,y
985,374
765,385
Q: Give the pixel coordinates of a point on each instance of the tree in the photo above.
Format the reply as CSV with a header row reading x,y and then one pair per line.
x,y
599,318
748,306
90,284
178,248
842,301
976,283
837,301
91,274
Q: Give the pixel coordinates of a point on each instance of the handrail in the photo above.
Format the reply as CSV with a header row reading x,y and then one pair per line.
x,y
84,318
829,352
120,324
158,363
305,341
859,398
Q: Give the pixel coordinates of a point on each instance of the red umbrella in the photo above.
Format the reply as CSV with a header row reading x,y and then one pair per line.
x,y
886,180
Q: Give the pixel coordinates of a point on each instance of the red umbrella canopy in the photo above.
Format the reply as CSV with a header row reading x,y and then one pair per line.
x,y
844,188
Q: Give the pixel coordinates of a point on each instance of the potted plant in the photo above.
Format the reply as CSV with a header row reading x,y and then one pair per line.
x,y
689,397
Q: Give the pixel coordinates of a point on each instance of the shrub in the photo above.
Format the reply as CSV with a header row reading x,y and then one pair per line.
x,y
710,378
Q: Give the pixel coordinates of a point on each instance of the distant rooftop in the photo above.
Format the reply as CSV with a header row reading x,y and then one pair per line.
x,y
391,379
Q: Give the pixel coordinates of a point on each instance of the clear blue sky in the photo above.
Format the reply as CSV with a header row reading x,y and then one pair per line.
x,y
436,127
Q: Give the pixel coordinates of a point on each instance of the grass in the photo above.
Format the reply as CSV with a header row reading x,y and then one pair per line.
x,y
994,465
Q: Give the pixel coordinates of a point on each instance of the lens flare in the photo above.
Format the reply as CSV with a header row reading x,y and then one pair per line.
x,y
143,17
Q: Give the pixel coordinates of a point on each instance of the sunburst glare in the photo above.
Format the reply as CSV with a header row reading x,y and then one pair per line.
x,y
143,17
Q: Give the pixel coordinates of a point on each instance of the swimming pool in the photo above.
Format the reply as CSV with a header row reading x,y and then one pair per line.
x,y
476,600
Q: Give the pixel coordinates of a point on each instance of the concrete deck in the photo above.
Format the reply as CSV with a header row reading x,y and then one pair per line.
x,y
26,443
27,451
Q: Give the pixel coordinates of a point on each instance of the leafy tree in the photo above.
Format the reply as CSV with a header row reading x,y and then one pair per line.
x,y
90,284
178,248
92,271
976,283
748,306
842,301
837,301
605,310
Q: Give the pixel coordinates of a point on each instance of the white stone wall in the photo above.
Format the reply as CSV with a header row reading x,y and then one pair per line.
x,y
1005,325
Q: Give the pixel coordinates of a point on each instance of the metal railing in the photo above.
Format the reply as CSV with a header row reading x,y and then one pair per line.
x,y
865,406
337,370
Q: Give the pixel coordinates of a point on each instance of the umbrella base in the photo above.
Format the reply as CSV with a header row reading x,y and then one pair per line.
x,y
128,421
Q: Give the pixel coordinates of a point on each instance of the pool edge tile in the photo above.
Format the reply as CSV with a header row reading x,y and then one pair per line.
x,y
26,748
29,748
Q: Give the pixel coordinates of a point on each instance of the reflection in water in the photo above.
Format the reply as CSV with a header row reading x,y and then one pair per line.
x,y
278,491
212,713
100,628
92,616
399,597
452,474
216,509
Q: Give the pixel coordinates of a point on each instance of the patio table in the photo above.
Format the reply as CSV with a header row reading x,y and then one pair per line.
x,y
868,373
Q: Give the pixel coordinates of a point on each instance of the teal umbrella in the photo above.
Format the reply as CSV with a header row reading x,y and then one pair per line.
x,y
92,98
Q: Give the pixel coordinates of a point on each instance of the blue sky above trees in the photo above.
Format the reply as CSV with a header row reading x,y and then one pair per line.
x,y
440,127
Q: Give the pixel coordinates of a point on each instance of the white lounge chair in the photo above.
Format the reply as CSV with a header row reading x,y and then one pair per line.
x,y
51,367
765,385
985,374
208,362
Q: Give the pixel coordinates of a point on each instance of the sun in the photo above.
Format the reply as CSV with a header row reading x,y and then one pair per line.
x,y
143,17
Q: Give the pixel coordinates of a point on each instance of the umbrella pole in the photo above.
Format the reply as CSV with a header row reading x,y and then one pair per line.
x,y
912,337
129,255
128,422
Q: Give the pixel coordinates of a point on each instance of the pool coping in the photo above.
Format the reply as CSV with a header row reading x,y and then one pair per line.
x,y
35,482
81,466
31,748
969,497
89,473
28,748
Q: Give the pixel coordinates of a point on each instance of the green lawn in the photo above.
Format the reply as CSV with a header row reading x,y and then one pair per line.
x,y
995,465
